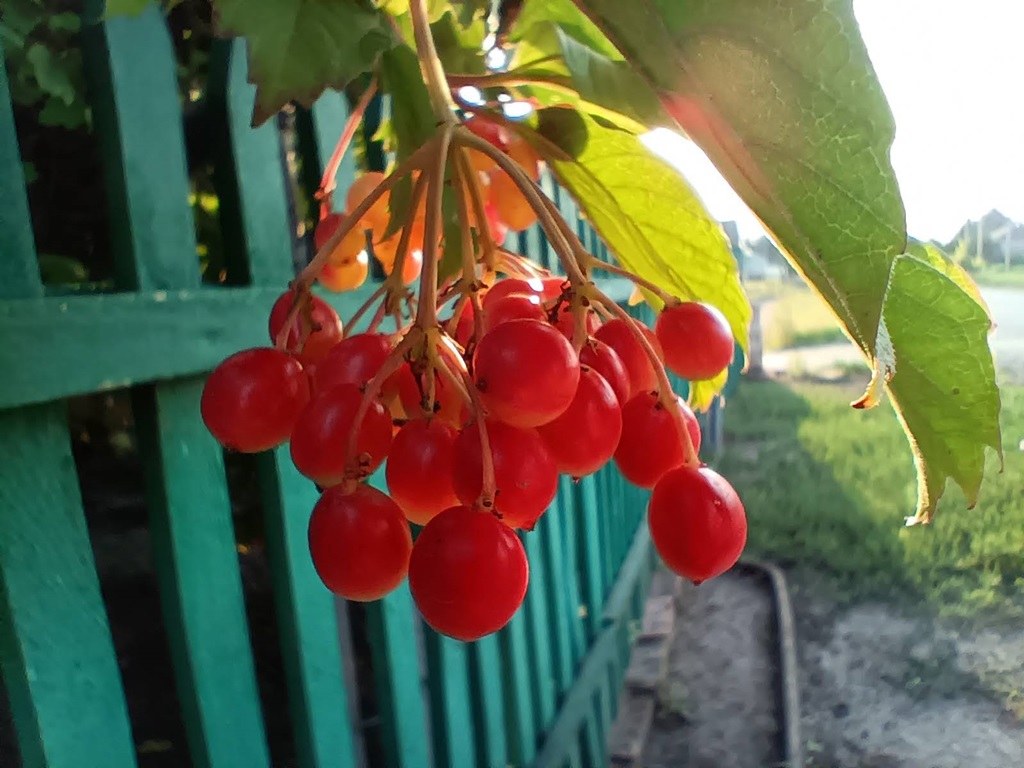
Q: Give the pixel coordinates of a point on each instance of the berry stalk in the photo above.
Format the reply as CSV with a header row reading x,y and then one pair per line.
x,y
665,394
452,360
328,182
426,316
535,197
430,65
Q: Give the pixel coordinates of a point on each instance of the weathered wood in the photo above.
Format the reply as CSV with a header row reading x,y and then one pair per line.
x,y
136,109
540,632
516,663
306,619
247,176
64,346
488,703
629,732
56,653
19,270
396,668
200,586
138,121
450,710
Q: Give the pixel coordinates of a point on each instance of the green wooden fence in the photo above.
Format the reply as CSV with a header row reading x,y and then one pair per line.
x,y
542,692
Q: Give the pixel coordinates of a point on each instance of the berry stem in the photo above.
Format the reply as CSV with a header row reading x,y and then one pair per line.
x,y
426,316
466,173
374,298
451,358
535,197
313,269
430,65
666,396
394,280
391,364
668,298
328,182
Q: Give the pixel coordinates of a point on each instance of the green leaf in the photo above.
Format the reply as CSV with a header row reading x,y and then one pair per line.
x,y
298,48
944,387
651,220
460,46
30,171
19,18
783,99
569,72
64,22
569,18
410,123
125,8
57,269
955,272
56,113
51,73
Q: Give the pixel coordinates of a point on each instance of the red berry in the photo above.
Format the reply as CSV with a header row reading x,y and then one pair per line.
x,y
524,471
698,524
650,444
252,400
326,323
526,372
607,362
511,285
565,322
419,469
320,438
354,360
697,340
499,231
514,306
468,573
551,287
326,227
360,543
617,335
584,438
462,331
449,404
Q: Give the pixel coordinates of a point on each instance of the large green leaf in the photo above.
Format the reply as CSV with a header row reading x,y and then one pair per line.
x,y
782,96
297,48
651,220
558,69
944,384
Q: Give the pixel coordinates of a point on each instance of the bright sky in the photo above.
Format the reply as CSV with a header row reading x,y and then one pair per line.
x,y
953,73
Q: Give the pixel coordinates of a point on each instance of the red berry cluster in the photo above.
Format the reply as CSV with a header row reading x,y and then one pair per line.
x,y
475,431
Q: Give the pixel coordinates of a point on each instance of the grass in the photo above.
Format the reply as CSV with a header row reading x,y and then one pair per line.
x,y
826,490
999,277
798,318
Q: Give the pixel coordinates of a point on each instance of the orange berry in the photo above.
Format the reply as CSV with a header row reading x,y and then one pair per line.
x,y
347,275
377,217
411,268
509,203
349,247
525,155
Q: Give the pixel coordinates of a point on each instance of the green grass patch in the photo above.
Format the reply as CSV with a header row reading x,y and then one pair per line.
x,y
799,319
827,489
1000,277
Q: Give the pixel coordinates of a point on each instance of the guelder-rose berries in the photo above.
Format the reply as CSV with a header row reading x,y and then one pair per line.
x,y
321,436
325,331
697,522
468,573
419,469
526,372
360,543
619,336
651,444
697,341
252,400
524,471
583,439
607,362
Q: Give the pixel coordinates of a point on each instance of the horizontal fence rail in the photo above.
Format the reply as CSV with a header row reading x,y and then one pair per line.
x,y
542,692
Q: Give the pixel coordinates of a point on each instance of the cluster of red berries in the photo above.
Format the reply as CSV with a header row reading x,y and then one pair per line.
x,y
546,410
505,208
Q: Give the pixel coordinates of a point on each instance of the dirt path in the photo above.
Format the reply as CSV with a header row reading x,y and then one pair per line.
x,y
879,688
717,708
